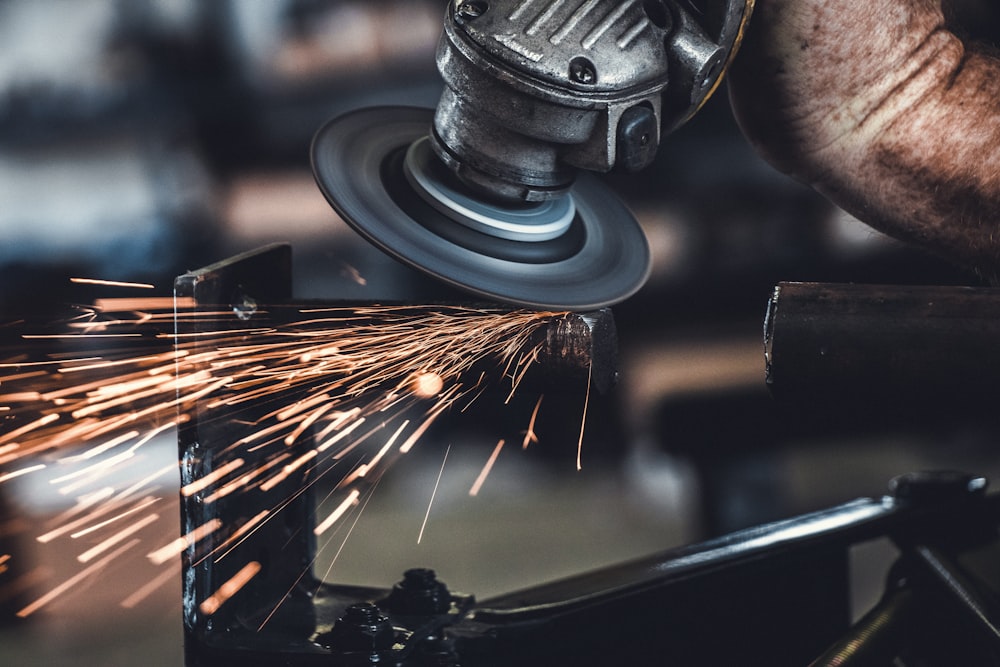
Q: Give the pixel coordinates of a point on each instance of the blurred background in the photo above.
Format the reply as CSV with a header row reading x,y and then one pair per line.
x,y
143,138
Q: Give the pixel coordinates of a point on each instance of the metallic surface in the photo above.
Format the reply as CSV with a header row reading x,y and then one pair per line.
x,y
601,259
535,91
538,89
899,343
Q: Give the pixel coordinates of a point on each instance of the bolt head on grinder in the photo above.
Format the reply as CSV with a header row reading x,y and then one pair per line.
x,y
581,251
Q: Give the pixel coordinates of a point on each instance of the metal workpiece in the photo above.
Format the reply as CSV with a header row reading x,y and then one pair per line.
x,y
581,347
855,343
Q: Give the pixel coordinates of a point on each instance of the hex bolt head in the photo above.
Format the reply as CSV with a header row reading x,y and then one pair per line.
x,y
362,629
582,71
471,9
420,593
936,486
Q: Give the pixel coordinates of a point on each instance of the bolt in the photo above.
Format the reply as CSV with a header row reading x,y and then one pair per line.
x,y
436,652
582,71
244,306
362,629
419,594
936,486
471,9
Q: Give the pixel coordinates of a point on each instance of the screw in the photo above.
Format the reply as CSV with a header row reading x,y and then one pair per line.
x,y
471,9
362,629
419,594
936,486
582,71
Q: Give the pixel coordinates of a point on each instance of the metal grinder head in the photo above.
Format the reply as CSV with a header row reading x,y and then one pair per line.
x,y
490,192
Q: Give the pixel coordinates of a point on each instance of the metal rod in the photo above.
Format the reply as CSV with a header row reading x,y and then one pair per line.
x,y
848,343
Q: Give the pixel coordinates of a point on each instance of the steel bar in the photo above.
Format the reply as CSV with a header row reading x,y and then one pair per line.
x,y
850,343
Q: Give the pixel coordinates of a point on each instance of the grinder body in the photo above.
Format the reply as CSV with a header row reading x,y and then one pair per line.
x,y
490,192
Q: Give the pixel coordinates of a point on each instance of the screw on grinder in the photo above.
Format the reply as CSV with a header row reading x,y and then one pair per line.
x,y
490,192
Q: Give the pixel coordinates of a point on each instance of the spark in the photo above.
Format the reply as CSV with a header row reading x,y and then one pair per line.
x,y
484,473
529,434
236,538
437,483
77,578
90,529
175,548
427,385
211,478
351,499
303,388
149,587
97,550
227,590
100,511
110,283
583,423
288,470
22,471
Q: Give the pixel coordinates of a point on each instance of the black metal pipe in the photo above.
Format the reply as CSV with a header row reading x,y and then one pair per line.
x,y
892,344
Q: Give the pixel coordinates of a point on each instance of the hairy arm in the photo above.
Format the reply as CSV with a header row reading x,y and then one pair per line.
x,y
880,106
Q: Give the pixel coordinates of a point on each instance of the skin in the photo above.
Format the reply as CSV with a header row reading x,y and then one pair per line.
x,y
888,109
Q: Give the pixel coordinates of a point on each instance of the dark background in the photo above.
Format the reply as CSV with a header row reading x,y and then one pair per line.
x,y
143,138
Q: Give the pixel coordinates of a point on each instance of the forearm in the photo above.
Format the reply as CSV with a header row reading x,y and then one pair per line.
x,y
885,111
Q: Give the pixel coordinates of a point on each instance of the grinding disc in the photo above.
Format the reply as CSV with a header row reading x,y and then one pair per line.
x,y
597,255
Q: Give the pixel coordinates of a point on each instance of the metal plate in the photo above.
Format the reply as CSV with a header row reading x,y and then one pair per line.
x,y
357,161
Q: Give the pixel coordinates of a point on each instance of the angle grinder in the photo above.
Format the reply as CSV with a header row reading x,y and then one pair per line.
x,y
492,192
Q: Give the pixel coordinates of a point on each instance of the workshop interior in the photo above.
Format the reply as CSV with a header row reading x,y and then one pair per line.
x,y
739,422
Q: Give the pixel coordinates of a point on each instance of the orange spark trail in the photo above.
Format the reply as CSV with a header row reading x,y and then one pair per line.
x,y
117,537
420,535
175,548
74,580
529,435
211,478
110,283
351,499
583,423
22,471
107,522
227,590
486,470
302,388
149,587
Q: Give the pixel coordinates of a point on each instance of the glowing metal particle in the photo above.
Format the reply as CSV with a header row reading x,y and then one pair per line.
x,y
583,423
117,537
351,499
110,283
227,590
175,548
149,587
484,473
211,478
74,580
437,483
426,385
98,526
22,471
529,434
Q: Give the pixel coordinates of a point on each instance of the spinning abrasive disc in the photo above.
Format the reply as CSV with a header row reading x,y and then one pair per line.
x,y
580,252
